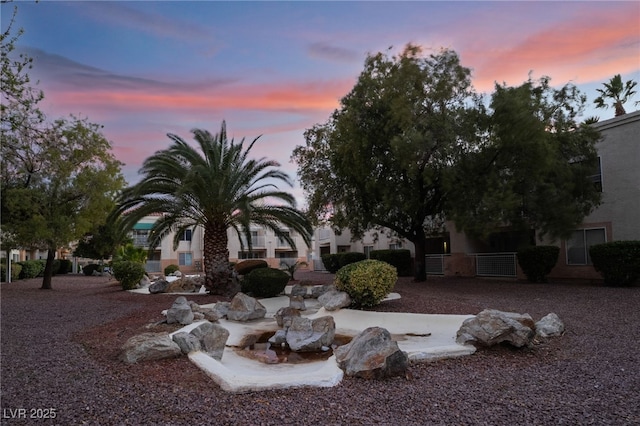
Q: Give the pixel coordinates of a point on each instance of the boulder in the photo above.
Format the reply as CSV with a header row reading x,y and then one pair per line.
x,y
307,335
145,282
159,286
550,326
221,309
187,342
149,347
372,354
297,302
298,290
181,285
245,308
319,290
180,312
284,315
333,300
279,338
491,327
212,337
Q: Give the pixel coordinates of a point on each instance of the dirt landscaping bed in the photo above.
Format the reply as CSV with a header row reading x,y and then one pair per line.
x,y
59,352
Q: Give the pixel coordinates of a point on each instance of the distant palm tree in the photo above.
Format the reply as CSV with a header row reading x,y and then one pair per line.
x,y
216,187
617,93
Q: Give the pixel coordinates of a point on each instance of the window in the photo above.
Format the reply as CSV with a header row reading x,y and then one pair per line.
x,y
395,246
186,235
185,259
579,243
596,177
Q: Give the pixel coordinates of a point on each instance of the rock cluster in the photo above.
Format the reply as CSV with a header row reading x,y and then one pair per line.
x,y
491,327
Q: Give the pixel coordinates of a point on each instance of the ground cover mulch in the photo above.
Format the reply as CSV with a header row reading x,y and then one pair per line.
x,y
59,352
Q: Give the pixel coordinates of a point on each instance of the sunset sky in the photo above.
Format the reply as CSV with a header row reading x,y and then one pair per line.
x,y
145,69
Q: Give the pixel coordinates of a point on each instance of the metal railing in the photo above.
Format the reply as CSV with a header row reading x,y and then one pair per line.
x,y
434,264
258,241
496,264
152,266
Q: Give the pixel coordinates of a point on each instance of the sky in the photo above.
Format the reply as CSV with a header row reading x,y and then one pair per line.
x,y
272,69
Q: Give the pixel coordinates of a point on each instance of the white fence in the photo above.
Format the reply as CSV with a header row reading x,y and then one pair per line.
x,y
496,264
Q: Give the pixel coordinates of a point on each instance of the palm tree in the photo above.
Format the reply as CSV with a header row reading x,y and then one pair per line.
x,y
615,92
216,187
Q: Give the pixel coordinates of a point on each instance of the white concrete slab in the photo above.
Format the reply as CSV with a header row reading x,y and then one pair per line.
x,y
425,337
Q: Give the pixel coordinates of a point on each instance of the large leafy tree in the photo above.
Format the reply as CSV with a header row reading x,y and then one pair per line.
x,y
534,170
384,158
615,93
57,184
57,178
216,187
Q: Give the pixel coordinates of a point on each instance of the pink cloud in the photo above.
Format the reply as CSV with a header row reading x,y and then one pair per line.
x,y
585,49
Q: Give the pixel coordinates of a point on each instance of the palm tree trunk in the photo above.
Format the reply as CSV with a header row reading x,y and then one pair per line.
x,y
218,277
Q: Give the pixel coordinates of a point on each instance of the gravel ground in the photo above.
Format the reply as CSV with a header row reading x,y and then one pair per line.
x,y
59,356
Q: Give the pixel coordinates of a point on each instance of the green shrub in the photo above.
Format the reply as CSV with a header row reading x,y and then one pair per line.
x,y
367,282
15,271
65,266
617,261
88,269
401,259
31,269
170,269
330,262
129,273
538,261
56,266
333,262
264,282
246,266
349,257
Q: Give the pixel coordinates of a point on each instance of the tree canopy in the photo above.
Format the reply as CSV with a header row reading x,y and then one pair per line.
x,y
383,159
535,169
413,144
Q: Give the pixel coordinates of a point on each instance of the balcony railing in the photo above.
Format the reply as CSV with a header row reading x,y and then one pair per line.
x,y
256,242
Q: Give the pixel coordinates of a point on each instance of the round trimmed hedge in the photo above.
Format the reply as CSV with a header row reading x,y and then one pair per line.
x,y
128,273
367,282
264,282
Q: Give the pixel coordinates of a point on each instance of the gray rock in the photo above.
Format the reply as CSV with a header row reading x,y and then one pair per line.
x,y
245,308
284,315
149,347
333,300
298,290
279,338
306,335
372,354
550,326
159,286
319,290
145,282
187,342
180,312
221,309
297,302
212,337
491,327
